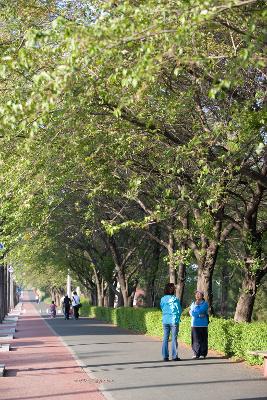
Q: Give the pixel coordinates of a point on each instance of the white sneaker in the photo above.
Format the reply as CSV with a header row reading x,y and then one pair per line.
x,y
202,357
194,357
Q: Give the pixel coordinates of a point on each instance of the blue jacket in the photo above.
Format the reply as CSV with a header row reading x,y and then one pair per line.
x,y
171,309
199,314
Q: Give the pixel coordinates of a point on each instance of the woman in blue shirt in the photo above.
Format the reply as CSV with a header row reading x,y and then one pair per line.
x,y
199,324
171,314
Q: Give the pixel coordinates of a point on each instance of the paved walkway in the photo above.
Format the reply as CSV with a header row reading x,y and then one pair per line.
x,y
40,366
124,365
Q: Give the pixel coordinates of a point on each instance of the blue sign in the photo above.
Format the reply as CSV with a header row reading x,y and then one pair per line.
x,y
2,246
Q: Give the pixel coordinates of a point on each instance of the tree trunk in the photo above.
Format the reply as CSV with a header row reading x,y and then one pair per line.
x,y
120,299
123,286
125,297
150,293
224,290
244,307
205,273
100,299
52,294
93,297
172,269
99,288
90,293
111,292
252,239
109,297
131,292
251,282
58,297
152,264
204,283
130,301
181,277
120,263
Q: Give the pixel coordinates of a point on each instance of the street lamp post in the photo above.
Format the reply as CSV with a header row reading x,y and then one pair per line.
x,y
69,284
11,290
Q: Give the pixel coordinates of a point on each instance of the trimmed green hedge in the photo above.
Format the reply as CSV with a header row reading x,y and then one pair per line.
x,y
225,336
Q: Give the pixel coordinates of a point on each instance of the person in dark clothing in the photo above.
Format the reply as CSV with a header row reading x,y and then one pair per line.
x,y
199,324
66,306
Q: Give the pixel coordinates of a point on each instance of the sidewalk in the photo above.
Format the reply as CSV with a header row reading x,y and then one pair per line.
x,y
122,365
130,367
40,366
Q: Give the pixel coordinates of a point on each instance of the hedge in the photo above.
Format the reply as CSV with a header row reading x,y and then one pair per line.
x,y
225,335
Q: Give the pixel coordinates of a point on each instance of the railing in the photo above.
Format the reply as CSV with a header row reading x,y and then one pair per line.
x,y
8,292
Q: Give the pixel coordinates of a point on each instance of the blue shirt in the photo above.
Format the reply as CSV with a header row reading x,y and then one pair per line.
x,y
199,314
171,309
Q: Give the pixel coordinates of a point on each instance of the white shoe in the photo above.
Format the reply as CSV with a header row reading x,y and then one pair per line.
x,y
202,357
194,357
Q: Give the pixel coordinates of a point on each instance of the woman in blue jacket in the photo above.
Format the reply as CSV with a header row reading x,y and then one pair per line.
x,y
199,325
171,314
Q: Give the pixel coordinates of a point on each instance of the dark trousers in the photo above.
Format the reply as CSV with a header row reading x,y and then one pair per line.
x,y
199,341
67,312
76,312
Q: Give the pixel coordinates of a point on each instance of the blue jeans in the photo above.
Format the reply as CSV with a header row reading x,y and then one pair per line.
x,y
167,329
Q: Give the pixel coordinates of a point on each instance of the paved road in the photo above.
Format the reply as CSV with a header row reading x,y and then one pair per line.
x,y
129,366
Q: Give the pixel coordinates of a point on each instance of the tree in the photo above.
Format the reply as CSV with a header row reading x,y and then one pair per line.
x,y
118,105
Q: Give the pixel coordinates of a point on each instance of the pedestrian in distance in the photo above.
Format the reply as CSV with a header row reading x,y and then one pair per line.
x,y
53,310
199,325
171,315
66,306
75,305
62,304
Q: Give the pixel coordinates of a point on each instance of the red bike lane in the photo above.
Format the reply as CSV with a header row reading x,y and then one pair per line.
x,y
40,366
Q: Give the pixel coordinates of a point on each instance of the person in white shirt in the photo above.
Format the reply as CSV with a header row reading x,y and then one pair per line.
x,y
75,305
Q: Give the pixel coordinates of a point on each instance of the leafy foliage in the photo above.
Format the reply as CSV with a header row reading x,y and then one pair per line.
x,y
120,119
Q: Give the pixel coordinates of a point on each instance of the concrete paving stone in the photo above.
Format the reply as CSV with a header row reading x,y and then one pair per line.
x,y
7,331
6,337
4,347
10,324
2,370
11,319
